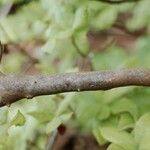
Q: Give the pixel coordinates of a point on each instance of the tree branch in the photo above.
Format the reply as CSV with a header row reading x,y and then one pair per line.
x,y
16,87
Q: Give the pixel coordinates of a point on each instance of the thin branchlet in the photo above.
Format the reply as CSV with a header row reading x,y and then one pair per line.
x,y
118,1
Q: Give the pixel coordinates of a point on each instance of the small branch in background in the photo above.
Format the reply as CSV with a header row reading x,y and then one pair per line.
x,y
108,43
118,1
61,130
118,35
51,140
16,87
5,9
24,51
1,51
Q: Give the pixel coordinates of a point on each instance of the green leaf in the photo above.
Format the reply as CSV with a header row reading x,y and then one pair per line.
x,y
114,57
104,113
125,121
120,138
56,33
140,16
116,94
13,63
143,46
45,109
18,120
115,147
105,18
81,19
26,16
125,105
87,107
140,96
65,103
49,46
111,122
3,115
81,42
142,132
41,116
98,136
56,121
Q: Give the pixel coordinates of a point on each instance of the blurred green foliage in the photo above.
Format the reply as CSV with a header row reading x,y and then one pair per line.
x,y
119,116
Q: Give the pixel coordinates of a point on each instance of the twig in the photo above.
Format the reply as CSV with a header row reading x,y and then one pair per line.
x,y
24,51
1,50
16,87
5,9
51,140
118,1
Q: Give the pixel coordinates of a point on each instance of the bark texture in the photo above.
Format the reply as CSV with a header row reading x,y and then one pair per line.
x,y
16,87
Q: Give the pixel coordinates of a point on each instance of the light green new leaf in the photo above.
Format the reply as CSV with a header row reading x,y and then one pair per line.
x,y
53,124
125,105
45,109
104,113
18,120
112,121
16,26
125,121
81,42
143,46
41,116
115,94
105,18
81,18
140,16
142,132
115,147
3,115
13,63
113,58
120,138
97,134
65,103
56,33
56,121
49,46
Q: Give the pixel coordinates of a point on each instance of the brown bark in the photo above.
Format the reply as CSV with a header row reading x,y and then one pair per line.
x,y
16,87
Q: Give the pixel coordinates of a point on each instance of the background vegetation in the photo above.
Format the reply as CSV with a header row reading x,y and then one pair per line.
x,y
49,36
